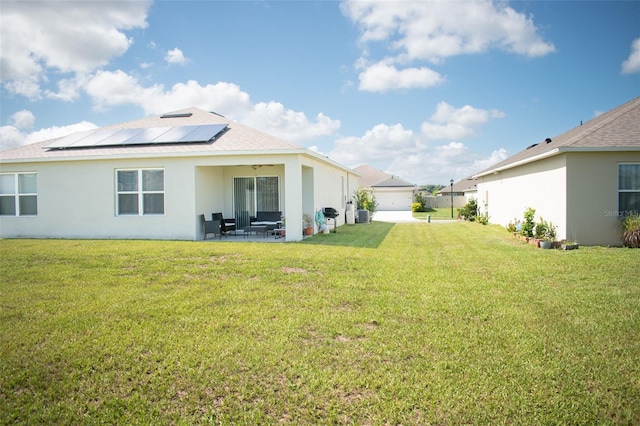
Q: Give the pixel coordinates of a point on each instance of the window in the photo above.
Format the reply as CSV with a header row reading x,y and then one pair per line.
x,y
140,192
18,194
628,189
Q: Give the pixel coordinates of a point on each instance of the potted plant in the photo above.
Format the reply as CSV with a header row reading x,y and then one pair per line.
x,y
546,233
307,224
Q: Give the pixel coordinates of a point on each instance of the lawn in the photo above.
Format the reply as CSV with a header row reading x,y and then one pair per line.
x,y
441,213
377,324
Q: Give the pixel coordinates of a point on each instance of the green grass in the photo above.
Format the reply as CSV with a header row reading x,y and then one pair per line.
x,y
376,324
436,214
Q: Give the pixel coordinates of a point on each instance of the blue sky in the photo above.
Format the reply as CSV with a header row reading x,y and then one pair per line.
x,y
427,91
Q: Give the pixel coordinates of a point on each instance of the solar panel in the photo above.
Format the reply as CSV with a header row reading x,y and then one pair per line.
x,y
139,136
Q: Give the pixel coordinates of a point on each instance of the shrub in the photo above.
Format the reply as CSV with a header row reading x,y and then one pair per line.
x,y
469,211
631,231
529,225
483,219
420,204
365,200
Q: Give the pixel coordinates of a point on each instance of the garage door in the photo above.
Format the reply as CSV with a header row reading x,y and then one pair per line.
x,y
394,201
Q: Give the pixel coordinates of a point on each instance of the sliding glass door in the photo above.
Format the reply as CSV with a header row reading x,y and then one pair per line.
x,y
252,194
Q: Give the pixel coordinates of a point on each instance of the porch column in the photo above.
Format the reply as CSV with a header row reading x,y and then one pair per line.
x,y
293,198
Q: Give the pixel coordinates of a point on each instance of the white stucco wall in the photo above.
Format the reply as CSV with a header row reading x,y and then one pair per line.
x,y
77,199
540,185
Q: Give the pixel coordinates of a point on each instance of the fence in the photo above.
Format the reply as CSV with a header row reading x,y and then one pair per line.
x,y
445,201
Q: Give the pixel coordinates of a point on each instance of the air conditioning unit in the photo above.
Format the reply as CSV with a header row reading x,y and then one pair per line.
x,y
362,216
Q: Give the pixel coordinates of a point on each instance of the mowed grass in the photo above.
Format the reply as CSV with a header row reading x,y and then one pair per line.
x,y
377,324
440,213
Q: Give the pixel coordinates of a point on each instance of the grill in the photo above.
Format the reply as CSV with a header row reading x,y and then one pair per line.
x,y
331,213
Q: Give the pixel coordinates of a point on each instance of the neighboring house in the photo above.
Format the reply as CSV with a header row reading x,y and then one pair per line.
x,y
391,192
583,180
153,178
466,188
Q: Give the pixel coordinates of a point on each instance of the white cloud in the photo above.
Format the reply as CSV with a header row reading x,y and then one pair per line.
x,y
449,122
14,135
381,77
435,30
22,119
68,37
113,88
380,143
413,156
175,56
632,64
441,163
273,118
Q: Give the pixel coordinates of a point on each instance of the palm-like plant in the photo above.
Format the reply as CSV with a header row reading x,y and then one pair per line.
x,y
631,231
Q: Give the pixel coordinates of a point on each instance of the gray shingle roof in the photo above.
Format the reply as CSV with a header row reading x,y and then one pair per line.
x,y
237,139
371,177
616,130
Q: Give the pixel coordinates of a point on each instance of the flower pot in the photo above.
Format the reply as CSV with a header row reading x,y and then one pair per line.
x,y
545,244
308,230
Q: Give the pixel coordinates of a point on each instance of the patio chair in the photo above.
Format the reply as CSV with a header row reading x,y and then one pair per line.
x,y
226,225
210,227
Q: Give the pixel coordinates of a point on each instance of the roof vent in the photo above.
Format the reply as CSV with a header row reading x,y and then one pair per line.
x,y
179,115
531,146
548,140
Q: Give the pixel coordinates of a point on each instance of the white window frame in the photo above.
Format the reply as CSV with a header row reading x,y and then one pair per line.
x,y
140,192
17,194
625,212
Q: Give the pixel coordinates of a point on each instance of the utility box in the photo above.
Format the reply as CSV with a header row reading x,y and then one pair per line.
x,y
362,216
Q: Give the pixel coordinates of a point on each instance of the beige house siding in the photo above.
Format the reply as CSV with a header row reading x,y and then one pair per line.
x,y
592,196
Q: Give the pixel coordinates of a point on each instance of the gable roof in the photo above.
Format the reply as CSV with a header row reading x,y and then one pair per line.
x,y
394,182
616,130
465,185
237,139
370,177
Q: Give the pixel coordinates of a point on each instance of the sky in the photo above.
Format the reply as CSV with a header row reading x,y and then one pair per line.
x,y
425,90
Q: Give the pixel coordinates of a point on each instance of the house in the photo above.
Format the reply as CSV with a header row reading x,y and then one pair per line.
x,y
391,192
152,179
583,180
466,188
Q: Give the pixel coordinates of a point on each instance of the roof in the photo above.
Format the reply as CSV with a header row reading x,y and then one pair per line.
x,y
237,139
393,182
370,177
465,185
615,130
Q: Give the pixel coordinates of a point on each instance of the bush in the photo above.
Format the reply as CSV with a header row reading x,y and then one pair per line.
x,y
529,225
365,200
420,205
631,231
469,211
